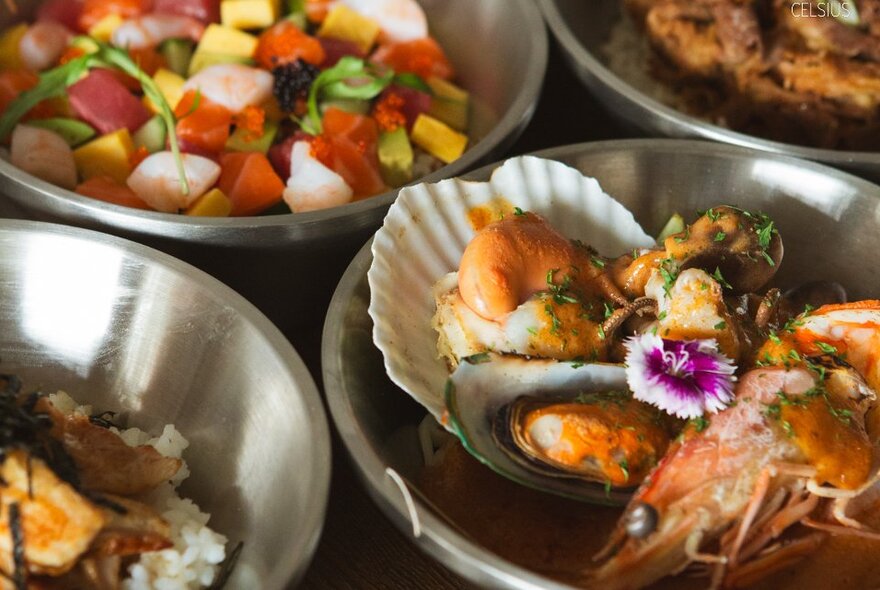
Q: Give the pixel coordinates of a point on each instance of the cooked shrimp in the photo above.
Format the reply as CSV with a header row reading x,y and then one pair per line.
x,y
312,185
508,261
234,86
755,471
58,524
42,44
149,30
156,181
399,20
105,462
850,330
44,154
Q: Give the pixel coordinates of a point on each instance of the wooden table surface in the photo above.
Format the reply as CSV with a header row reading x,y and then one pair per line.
x,y
360,548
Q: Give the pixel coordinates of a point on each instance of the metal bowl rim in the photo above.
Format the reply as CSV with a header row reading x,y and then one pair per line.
x,y
309,531
455,551
169,225
627,93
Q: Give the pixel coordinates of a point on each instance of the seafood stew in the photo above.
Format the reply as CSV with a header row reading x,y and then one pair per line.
x,y
767,386
200,108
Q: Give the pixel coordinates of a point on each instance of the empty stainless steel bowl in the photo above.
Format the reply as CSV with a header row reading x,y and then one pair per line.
x,y
132,330
289,264
828,219
582,28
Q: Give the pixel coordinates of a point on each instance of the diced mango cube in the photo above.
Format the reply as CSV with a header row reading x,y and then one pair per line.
x,y
221,44
108,155
449,104
171,87
212,204
438,139
248,14
227,41
348,25
201,61
103,29
10,40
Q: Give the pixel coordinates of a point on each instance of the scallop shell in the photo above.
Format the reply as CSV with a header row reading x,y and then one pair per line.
x,y
424,236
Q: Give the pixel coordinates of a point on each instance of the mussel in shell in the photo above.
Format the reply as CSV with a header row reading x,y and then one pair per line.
x,y
618,439
601,437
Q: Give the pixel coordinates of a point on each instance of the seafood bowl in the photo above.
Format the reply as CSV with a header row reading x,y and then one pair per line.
x,y
132,330
288,264
380,425
583,30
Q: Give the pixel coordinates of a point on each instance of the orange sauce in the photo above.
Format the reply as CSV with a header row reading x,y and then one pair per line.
x,y
624,437
834,444
569,332
496,209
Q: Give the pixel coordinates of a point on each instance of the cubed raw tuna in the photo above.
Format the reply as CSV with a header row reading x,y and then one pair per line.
x,y
279,154
207,11
336,49
65,12
103,102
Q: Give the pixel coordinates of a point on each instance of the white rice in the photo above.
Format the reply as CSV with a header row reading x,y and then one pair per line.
x,y
198,551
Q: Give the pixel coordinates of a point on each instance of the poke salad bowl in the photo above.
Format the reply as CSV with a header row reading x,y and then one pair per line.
x,y
582,29
288,264
131,330
829,222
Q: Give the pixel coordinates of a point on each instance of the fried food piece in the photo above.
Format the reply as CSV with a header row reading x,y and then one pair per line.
x,y
58,524
106,463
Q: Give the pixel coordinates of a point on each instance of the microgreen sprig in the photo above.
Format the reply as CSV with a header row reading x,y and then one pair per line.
x,y
352,78
55,82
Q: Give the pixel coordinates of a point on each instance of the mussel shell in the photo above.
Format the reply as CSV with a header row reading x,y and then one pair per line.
x,y
508,433
477,391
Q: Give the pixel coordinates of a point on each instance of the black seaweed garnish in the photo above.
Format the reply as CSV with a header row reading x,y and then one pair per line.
x,y
19,573
104,420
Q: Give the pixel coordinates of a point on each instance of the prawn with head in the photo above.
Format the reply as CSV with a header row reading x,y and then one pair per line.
x,y
791,459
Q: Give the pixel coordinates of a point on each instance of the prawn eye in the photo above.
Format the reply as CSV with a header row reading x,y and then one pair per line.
x,y
641,520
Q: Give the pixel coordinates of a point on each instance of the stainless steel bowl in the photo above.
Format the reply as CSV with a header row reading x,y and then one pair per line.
x,y
583,27
129,329
289,264
828,219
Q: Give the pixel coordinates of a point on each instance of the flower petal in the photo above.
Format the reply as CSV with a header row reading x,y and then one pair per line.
x,y
683,378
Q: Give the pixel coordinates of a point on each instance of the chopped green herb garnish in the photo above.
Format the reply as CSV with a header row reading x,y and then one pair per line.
x,y
609,310
624,466
518,211
700,423
720,325
719,237
597,262
826,348
477,359
661,316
